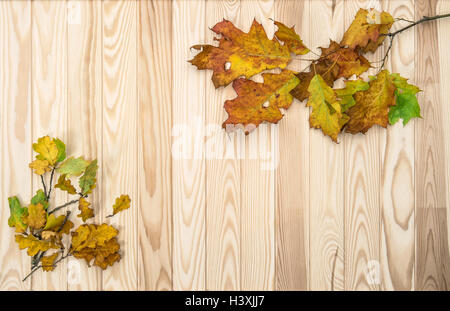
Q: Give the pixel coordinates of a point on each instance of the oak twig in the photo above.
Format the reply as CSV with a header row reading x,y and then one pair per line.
x,y
41,266
64,205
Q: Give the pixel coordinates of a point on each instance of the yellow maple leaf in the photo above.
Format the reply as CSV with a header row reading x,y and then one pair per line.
x,y
122,203
33,244
326,110
36,216
291,39
40,167
85,211
48,262
240,53
47,150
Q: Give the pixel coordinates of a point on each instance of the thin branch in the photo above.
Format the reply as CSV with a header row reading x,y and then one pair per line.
x,y
51,182
64,205
42,266
64,222
43,184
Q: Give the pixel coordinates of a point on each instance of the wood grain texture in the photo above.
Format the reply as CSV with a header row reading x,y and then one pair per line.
x,y
362,166
326,173
258,180
292,175
397,180
49,102
432,270
154,134
120,144
85,112
223,200
15,132
188,165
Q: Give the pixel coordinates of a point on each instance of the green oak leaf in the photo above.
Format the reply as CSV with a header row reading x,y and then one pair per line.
x,y
17,211
73,166
40,197
88,180
61,149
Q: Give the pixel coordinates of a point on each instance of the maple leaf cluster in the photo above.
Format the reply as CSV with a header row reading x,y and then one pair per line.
x,y
384,99
41,232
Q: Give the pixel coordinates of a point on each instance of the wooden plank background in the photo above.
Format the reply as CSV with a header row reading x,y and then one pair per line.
x,y
281,209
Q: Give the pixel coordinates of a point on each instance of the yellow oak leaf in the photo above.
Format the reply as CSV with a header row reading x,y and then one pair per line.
x,y
54,223
68,225
104,255
36,216
48,235
291,39
367,31
250,108
48,262
122,203
85,211
240,54
372,105
47,150
326,110
40,167
34,245
65,185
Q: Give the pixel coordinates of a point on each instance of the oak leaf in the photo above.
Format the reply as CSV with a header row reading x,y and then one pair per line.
x,y
65,185
40,198
17,212
36,216
34,245
85,211
368,30
54,223
89,178
122,203
291,39
40,167
73,166
48,262
372,105
326,110
47,150
240,53
249,107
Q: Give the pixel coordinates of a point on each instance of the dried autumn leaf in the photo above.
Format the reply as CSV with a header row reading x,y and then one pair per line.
x,y
34,245
17,212
346,94
248,108
48,235
240,53
73,166
326,110
65,185
40,167
367,31
291,39
88,180
122,203
104,255
47,150
85,211
40,198
372,105
48,262
36,216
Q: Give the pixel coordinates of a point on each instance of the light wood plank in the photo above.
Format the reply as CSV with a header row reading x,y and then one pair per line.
x,y
258,179
292,177
432,248
222,173
362,166
154,132
120,144
84,137
15,133
49,102
188,166
397,246
326,171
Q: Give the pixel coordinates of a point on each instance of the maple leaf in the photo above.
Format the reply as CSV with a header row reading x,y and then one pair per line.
x,y
88,180
40,198
73,166
40,167
33,244
48,262
35,217
348,61
367,30
326,110
406,104
291,39
122,203
346,94
248,108
240,53
85,211
372,105
65,185
17,212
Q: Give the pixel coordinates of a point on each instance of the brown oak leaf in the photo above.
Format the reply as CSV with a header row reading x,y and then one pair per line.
x,y
85,211
36,216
